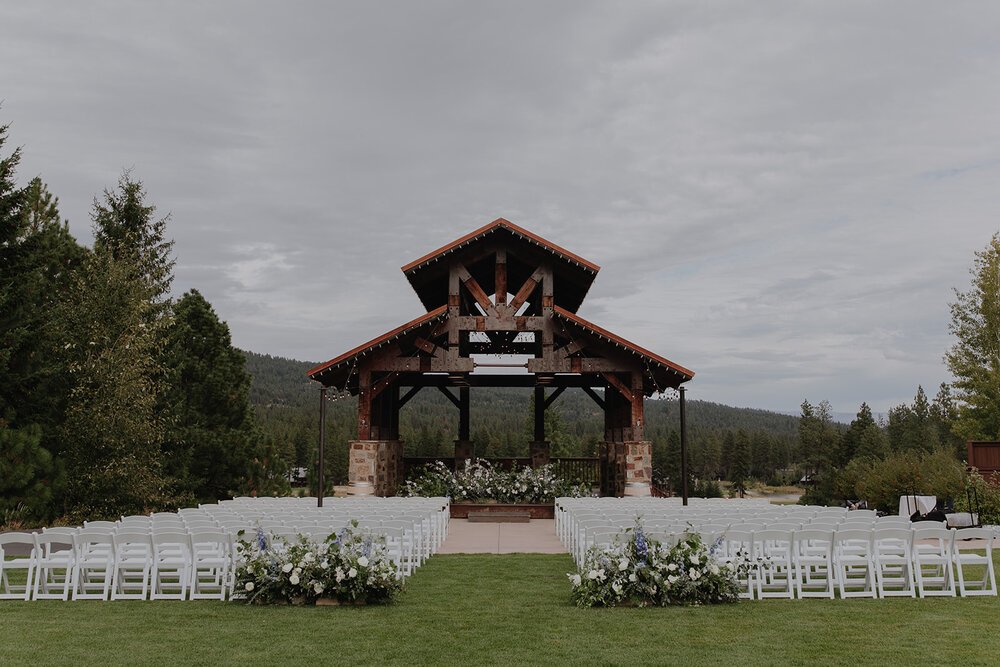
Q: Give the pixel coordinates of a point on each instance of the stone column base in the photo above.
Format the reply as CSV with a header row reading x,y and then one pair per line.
x,y
373,467
638,467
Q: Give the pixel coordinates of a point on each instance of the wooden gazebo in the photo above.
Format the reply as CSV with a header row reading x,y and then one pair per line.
x,y
500,290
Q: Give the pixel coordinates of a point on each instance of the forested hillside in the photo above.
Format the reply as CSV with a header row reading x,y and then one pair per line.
x,y
287,408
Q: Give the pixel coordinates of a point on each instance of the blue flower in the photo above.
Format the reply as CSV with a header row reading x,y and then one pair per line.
x,y
261,539
641,546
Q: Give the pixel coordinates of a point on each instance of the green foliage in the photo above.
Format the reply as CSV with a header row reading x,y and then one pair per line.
x,y
638,570
974,359
111,430
27,474
212,442
480,481
882,481
981,495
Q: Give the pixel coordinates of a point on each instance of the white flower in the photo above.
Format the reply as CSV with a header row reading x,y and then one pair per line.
x,y
672,566
672,578
592,574
339,575
249,586
286,568
363,561
325,565
694,574
714,568
623,564
576,580
294,580
616,587
352,573
600,574
309,557
318,588
632,577
297,570
694,559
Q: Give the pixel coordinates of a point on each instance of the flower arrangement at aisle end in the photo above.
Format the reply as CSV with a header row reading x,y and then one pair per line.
x,y
349,567
637,570
478,480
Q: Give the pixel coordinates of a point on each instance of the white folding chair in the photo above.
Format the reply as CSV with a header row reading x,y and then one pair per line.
x,y
812,553
893,562
933,557
94,565
737,548
854,562
133,563
56,557
210,565
171,572
978,556
776,573
10,563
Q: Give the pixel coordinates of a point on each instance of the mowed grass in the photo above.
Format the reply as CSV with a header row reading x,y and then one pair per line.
x,y
502,610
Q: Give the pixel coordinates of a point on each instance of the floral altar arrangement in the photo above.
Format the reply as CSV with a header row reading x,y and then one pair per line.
x,y
349,567
478,480
636,570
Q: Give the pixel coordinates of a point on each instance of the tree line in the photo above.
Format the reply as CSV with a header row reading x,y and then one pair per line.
x,y
114,397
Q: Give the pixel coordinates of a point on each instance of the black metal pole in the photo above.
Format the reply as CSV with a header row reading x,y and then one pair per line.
x,y
684,454
322,446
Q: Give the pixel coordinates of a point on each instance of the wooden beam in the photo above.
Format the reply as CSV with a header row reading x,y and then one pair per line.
x,y
380,386
475,290
500,281
619,385
451,397
539,413
553,396
410,394
526,289
593,394
425,345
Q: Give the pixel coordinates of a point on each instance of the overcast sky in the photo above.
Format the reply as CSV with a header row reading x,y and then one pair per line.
x,y
782,195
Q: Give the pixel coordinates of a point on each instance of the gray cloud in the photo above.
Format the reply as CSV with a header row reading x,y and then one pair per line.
x,y
782,195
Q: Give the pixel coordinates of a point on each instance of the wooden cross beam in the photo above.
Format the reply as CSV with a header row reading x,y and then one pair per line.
x,y
451,397
427,346
381,385
526,289
620,386
593,394
475,290
552,397
410,394
500,281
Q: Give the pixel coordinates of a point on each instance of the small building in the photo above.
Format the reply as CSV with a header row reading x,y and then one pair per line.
x,y
500,290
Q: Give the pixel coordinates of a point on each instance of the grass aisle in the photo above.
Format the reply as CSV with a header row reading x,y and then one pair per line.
x,y
503,610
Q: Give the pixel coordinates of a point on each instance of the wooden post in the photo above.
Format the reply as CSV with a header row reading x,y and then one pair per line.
x,y
539,413
321,481
463,413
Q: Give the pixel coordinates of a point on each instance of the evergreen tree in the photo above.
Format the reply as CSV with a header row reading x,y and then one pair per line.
x,y
212,440
740,465
943,417
112,432
27,475
974,359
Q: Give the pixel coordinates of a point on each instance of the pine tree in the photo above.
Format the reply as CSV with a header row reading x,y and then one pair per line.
x,y
740,465
974,359
212,443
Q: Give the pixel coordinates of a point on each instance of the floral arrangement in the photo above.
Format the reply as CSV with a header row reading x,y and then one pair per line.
x,y
348,567
636,570
478,480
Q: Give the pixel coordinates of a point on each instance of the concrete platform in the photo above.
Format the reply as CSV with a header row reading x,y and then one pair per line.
x,y
537,537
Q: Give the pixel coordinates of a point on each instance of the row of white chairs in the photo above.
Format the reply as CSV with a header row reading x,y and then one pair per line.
x,y
928,560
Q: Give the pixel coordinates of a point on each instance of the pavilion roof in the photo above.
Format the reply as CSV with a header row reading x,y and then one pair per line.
x,y
428,275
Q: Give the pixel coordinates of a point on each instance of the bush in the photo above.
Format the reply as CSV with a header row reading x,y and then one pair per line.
x,y
348,567
638,570
988,494
478,480
707,488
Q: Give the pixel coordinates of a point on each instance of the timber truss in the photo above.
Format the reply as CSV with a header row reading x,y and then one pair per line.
x,y
500,290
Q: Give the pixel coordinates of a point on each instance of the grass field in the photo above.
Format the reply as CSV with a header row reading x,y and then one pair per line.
x,y
502,610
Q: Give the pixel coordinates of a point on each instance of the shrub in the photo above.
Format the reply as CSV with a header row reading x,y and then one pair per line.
x,y
479,480
348,566
988,494
638,570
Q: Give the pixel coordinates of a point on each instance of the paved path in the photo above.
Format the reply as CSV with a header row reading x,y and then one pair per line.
x,y
537,536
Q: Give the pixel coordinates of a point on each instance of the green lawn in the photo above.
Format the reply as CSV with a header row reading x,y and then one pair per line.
x,y
503,610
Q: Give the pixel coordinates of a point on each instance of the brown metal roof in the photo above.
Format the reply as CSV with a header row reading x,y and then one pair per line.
x,y
376,343
618,340
501,223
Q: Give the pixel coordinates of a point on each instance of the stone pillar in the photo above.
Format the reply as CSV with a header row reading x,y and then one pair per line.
x,y
541,453
388,465
361,467
638,467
